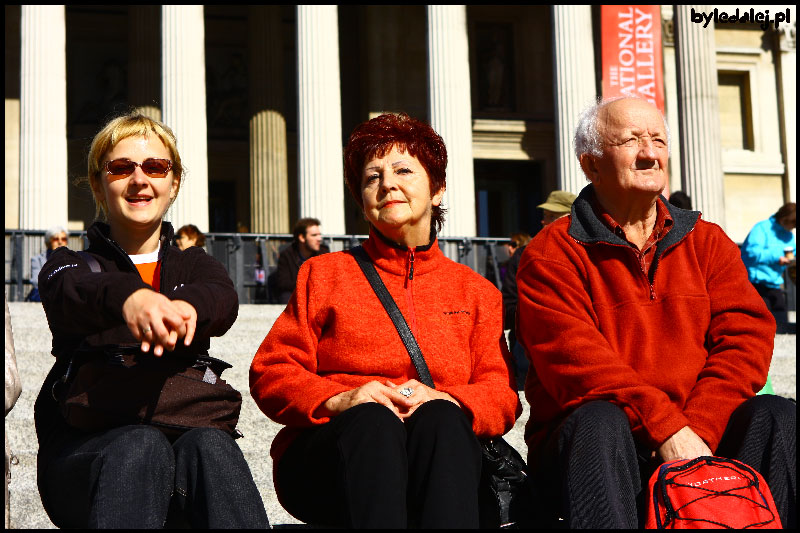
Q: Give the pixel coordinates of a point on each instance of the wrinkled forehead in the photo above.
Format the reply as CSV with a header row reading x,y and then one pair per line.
x,y
630,115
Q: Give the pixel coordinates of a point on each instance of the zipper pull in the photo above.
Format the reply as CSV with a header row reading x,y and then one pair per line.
x,y
411,264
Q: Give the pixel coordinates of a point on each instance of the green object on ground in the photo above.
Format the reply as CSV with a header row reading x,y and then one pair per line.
x,y
767,387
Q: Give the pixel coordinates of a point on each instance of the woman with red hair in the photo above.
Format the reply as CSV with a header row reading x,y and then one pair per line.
x,y
365,443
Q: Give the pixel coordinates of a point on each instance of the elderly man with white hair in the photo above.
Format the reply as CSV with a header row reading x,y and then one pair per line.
x,y
54,237
647,342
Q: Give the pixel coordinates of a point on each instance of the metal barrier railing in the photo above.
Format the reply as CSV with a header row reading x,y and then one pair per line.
x,y
239,252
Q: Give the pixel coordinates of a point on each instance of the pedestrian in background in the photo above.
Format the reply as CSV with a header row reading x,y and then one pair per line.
x,y
307,243
558,205
54,238
680,199
768,249
189,235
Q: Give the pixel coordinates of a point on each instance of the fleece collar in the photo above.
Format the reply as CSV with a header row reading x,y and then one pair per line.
x,y
587,228
99,235
393,258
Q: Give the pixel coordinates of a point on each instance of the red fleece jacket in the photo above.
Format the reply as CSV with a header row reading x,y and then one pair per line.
x,y
335,335
683,348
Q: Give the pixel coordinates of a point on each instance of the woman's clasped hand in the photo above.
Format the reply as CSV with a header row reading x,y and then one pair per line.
x,y
387,394
159,322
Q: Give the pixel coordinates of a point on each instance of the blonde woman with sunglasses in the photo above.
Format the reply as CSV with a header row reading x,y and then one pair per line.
x,y
167,301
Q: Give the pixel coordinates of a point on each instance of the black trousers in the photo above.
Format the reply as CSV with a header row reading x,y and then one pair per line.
x,y
368,469
774,298
593,476
133,477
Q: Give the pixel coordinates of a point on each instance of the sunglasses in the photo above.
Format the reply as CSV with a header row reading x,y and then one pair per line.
x,y
155,168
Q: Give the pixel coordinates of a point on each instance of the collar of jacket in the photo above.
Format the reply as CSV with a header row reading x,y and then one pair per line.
x,y
393,258
100,240
780,230
585,226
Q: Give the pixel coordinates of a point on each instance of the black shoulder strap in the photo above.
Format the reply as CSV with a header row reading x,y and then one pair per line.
x,y
91,261
400,323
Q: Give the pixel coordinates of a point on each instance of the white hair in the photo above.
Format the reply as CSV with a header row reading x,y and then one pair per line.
x,y
588,140
55,231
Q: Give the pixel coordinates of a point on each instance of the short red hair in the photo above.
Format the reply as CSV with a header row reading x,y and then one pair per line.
x,y
376,137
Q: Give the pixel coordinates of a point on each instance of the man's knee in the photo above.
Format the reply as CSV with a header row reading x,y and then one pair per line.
x,y
598,421
769,407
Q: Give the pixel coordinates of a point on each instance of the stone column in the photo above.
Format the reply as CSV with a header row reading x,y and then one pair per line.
x,y
319,127
43,118
671,96
698,112
184,108
574,87
450,111
269,186
787,42
144,69
13,71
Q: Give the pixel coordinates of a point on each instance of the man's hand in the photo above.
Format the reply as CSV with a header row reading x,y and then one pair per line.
x,y
685,444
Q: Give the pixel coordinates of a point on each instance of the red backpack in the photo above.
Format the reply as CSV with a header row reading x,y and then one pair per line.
x,y
710,493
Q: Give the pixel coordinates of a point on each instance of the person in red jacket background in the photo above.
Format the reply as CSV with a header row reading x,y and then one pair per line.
x,y
365,443
647,342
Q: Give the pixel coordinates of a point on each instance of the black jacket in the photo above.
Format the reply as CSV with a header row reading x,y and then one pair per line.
x,y
85,306
510,294
289,263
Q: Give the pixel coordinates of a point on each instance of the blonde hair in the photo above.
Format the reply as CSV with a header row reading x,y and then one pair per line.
x,y
131,125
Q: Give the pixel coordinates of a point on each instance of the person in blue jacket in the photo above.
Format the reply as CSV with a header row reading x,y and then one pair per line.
x,y
768,249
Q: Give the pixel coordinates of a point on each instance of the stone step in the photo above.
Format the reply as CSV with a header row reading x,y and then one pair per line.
x,y
32,341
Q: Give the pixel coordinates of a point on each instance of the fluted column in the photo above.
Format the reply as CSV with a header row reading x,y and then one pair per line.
x,y
144,49
788,87
698,112
450,111
269,187
43,118
319,127
184,108
574,86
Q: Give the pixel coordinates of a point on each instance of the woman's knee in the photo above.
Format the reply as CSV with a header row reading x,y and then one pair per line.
x,y
370,420
441,425
205,441
439,416
138,447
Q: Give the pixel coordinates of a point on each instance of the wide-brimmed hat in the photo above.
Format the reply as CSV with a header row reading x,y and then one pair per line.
x,y
558,202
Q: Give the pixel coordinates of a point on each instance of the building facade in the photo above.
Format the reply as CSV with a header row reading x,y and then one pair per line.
x,y
263,98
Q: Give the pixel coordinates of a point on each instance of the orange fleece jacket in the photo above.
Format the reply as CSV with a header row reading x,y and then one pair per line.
x,y
335,335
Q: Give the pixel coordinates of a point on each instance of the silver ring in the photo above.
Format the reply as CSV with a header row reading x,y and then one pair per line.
x,y
407,391
146,330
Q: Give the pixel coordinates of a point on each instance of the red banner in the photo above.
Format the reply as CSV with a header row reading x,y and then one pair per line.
x,y
632,52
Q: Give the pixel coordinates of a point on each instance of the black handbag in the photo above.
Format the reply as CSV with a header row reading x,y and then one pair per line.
x,y
504,492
